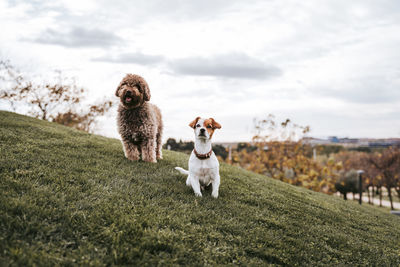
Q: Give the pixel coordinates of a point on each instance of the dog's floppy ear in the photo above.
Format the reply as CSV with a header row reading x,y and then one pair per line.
x,y
117,92
145,89
146,92
118,88
215,125
123,82
193,123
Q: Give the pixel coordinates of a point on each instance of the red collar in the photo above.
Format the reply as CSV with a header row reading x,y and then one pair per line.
x,y
203,156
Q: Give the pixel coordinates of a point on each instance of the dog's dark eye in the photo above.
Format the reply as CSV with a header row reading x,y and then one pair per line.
x,y
198,125
209,126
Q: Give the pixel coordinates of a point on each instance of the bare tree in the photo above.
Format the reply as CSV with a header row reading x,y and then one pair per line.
x,y
59,100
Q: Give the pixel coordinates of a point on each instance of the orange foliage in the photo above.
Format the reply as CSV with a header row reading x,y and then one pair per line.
x,y
280,156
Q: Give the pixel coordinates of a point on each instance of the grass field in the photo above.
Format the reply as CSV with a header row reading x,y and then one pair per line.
x,y
67,197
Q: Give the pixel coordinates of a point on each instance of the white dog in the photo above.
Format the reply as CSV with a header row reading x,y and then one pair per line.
x,y
203,164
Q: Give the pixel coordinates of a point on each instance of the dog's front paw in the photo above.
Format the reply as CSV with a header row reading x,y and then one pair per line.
x,y
198,194
132,157
149,156
214,194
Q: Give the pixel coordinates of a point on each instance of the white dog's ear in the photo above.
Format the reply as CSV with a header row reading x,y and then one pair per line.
x,y
215,125
193,123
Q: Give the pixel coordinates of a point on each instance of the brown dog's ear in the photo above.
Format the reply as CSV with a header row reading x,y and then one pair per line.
x,y
193,123
146,94
145,89
119,87
117,92
215,125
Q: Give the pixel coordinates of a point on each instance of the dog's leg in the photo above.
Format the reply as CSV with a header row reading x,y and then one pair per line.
x,y
159,146
131,151
215,187
188,181
149,151
196,187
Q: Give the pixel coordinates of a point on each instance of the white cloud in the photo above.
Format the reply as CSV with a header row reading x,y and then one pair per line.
x,y
78,37
131,58
232,65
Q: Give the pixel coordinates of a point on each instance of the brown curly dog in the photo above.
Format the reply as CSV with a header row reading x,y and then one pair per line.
x,y
139,122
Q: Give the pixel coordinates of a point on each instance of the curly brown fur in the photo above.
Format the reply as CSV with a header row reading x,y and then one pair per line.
x,y
139,122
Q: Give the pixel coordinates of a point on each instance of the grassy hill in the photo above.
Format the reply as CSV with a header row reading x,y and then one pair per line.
x,y
67,197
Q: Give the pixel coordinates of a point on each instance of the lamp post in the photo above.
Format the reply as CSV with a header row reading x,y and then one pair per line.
x,y
360,173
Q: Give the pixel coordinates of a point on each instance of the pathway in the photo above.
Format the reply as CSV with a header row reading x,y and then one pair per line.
x,y
385,203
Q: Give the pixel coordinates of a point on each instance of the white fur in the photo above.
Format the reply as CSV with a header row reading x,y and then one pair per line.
x,y
202,172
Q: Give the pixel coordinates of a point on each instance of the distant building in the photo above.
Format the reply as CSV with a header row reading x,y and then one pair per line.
x,y
353,142
345,142
315,141
333,139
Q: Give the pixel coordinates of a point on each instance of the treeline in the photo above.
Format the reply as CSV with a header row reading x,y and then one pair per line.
x,y
277,151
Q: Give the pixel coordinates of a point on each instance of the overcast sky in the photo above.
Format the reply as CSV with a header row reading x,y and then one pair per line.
x,y
333,65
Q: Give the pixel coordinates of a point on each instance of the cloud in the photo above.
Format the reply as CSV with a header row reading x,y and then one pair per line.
x,y
366,90
173,10
232,65
79,37
131,58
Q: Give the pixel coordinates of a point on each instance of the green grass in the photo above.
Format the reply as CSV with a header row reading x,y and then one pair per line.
x,y
67,198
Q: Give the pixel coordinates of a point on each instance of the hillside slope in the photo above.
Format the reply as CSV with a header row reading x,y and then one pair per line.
x,y
68,197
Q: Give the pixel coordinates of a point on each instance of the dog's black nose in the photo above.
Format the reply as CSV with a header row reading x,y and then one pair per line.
x,y
202,130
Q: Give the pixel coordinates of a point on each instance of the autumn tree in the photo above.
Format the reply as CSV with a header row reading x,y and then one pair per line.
x,y
386,163
280,154
374,180
58,100
351,161
347,183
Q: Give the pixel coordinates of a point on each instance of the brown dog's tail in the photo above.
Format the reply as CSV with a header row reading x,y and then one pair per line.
x,y
183,171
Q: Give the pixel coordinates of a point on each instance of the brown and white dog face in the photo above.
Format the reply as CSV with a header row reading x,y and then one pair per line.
x,y
204,128
133,91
